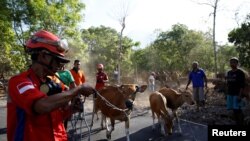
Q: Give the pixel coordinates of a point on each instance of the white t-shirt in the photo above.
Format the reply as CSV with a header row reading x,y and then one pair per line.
x,y
151,79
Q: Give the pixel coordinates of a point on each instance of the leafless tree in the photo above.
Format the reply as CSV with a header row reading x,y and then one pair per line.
x,y
240,12
120,14
214,5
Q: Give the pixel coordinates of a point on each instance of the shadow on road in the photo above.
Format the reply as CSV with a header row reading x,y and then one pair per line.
x,y
190,132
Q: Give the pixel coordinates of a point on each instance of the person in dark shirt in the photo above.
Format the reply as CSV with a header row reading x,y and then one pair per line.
x,y
235,85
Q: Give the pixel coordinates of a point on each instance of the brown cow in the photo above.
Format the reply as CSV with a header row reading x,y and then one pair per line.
x,y
221,75
175,100
116,103
158,104
221,86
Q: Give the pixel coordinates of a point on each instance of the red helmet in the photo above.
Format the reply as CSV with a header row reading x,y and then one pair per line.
x,y
100,66
46,40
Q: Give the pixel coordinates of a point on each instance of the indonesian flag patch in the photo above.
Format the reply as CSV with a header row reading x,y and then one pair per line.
x,y
24,86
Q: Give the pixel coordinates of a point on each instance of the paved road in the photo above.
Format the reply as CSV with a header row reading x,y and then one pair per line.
x,y
140,130
3,124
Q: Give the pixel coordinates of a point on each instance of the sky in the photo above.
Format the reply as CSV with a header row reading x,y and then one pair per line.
x,y
146,17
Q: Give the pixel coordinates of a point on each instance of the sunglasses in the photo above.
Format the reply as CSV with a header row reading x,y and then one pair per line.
x,y
61,45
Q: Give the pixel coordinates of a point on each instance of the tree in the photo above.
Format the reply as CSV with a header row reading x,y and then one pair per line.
x,y
177,43
59,17
241,39
20,18
10,57
225,52
102,43
175,50
121,15
214,5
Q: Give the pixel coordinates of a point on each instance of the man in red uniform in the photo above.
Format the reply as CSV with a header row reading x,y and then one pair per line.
x,y
32,115
101,77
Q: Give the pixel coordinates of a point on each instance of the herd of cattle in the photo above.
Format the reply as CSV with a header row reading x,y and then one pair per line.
x,y
116,103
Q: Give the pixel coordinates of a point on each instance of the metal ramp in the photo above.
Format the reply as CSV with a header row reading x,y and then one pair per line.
x,y
79,127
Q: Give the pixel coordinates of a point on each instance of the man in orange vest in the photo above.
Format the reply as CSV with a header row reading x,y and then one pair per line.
x,y
78,74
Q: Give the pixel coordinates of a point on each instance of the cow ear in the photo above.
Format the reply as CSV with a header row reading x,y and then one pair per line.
x,y
143,88
121,87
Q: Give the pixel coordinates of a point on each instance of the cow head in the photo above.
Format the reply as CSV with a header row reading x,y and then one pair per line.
x,y
129,90
187,96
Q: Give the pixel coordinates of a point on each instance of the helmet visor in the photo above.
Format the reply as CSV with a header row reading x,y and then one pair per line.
x,y
61,45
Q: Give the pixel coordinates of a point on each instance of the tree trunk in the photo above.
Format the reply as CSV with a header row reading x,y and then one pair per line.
x,y
120,53
214,42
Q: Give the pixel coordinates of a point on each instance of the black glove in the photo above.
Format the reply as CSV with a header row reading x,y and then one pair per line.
x,y
50,87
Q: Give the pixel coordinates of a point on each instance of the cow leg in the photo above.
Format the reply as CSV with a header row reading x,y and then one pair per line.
x,y
178,121
104,119
109,131
153,116
162,123
159,121
94,112
97,118
127,128
92,122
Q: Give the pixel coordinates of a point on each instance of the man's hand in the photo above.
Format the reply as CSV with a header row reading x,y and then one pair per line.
x,y
86,90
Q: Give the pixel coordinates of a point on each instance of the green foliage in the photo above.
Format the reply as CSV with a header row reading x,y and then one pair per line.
x,y
102,45
59,17
176,49
9,60
225,52
172,50
173,47
241,39
20,18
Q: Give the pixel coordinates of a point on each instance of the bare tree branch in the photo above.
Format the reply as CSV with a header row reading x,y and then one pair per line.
x,y
236,16
121,14
214,5
203,3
